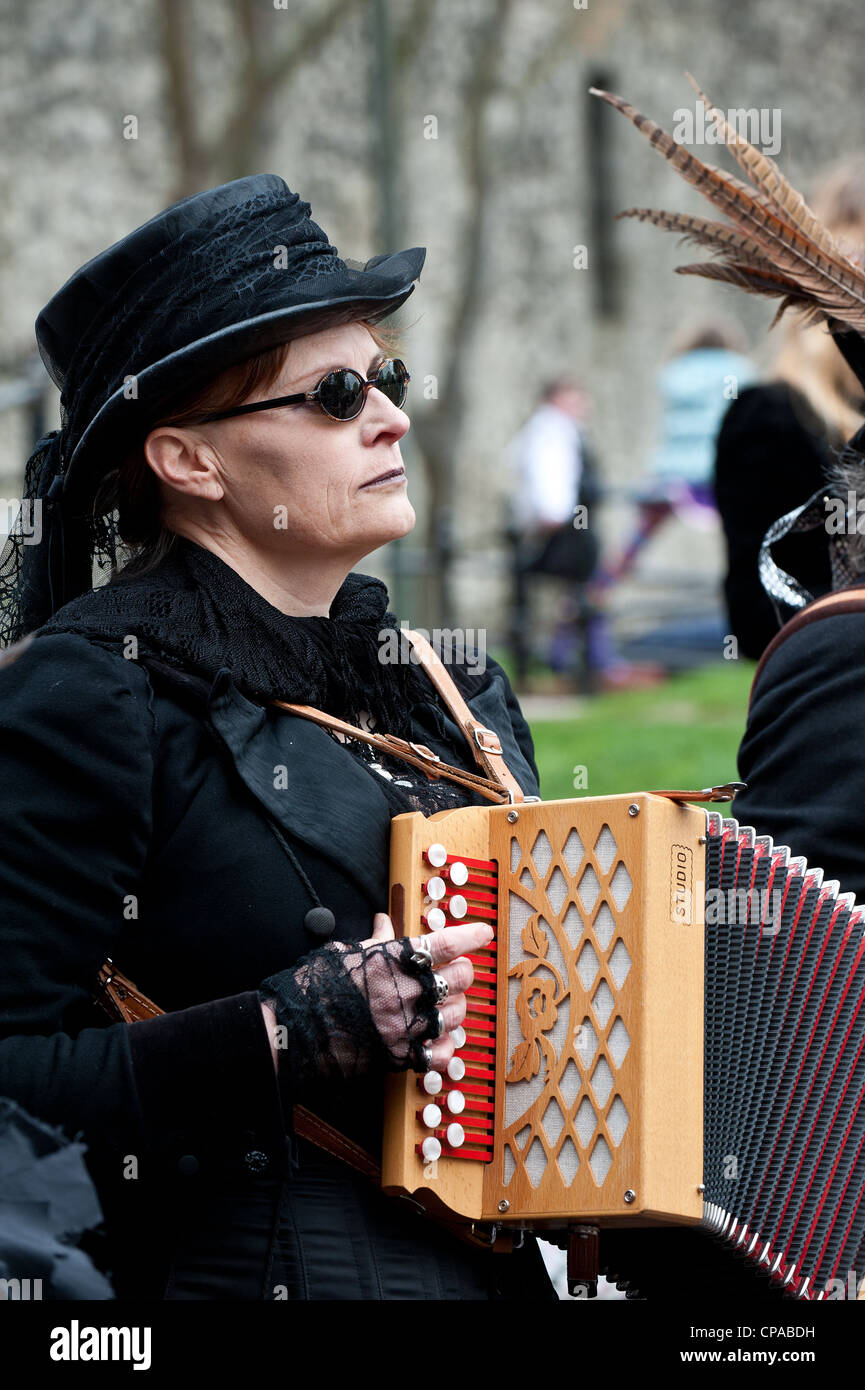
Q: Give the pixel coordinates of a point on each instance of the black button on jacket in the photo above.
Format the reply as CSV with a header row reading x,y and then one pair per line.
x,y
135,825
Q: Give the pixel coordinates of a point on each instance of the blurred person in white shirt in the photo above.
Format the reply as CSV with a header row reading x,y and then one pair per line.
x,y
553,492
547,462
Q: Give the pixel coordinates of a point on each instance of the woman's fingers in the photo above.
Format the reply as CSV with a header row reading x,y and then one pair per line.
x,y
453,1011
382,927
459,975
448,943
441,1052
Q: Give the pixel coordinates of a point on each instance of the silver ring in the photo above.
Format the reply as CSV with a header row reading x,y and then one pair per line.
x,y
421,956
427,1057
442,988
439,1022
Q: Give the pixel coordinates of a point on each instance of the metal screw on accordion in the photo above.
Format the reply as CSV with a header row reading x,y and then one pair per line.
x,y
504,1205
633,809
701,1187
513,815
630,1196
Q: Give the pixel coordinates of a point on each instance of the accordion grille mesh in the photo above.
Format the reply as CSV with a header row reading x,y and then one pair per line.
x,y
565,957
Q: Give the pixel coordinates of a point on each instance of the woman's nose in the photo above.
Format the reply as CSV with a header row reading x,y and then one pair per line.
x,y
382,414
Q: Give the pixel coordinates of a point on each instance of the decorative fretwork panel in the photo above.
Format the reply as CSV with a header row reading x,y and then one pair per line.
x,y
568,972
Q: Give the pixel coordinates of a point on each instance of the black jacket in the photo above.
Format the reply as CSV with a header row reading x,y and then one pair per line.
x,y
800,755
772,453
132,825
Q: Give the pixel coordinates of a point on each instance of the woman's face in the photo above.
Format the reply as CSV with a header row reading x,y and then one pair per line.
x,y
295,482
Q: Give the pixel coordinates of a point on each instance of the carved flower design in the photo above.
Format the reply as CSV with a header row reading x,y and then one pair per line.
x,y
536,1005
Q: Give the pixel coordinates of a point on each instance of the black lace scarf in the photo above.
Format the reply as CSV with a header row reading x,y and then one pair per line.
x,y
196,613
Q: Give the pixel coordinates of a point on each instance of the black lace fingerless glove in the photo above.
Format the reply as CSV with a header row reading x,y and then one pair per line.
x,y
346,1010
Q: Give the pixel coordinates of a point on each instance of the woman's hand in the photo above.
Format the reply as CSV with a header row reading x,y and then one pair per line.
x,y
449,949
311,1000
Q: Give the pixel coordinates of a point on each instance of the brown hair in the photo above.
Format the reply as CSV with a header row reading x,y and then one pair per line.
x,y
132,489
808,358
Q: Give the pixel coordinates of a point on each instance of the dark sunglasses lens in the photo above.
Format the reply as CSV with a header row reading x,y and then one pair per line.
x,y
341,394
392,381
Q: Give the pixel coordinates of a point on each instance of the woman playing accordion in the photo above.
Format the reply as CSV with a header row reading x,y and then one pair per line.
x,y
232,419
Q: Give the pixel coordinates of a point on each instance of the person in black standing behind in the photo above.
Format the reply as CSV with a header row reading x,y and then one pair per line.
x,y
801,752
777,441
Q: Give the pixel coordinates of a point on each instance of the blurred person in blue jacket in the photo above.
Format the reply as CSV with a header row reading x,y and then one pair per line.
x,y
706,370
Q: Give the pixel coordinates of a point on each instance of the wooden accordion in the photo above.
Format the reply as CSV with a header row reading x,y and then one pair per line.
x,y
668,1028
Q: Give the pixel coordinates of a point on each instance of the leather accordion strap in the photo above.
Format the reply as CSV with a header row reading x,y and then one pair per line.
x,y
725,791
496,781
120,999
124,1003
415,753
484,743
318,1132
844,601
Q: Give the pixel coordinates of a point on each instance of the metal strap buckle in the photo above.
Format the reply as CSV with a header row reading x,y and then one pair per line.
x,y
480,733
419,748
425,752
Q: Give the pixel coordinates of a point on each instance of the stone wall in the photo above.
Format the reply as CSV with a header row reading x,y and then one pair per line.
x,y
71,73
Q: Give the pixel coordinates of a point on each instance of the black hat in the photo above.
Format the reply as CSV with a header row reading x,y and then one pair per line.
x,y
209,282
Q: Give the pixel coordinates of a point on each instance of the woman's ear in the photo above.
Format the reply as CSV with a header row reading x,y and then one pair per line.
x,y
183,462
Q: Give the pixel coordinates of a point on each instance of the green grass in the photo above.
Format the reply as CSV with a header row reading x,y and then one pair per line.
x,y
684,733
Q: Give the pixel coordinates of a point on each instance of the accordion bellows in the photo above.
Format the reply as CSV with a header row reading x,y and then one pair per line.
x,y
668,1028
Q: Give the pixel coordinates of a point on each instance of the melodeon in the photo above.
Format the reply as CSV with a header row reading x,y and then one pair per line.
x,y
667,1029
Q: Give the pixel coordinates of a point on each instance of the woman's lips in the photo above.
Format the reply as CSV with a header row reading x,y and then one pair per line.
x,y
393,475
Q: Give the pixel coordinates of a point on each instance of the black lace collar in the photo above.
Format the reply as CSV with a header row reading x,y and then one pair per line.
x,y
197,613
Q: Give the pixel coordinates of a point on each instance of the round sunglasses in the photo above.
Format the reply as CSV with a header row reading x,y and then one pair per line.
x,y
341,394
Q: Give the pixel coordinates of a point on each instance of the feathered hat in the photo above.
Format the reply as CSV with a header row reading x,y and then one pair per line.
x,y
209,282
773,245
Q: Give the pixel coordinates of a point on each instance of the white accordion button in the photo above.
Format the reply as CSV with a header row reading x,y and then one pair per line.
x,y
436,855
435,919
457,906
456,1136
459,1038
431,1148
458,874
456,1102
436,888
432,1116
432,1082
456,1068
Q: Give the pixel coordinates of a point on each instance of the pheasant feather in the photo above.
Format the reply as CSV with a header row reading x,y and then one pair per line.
x,y
772,244
765,173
